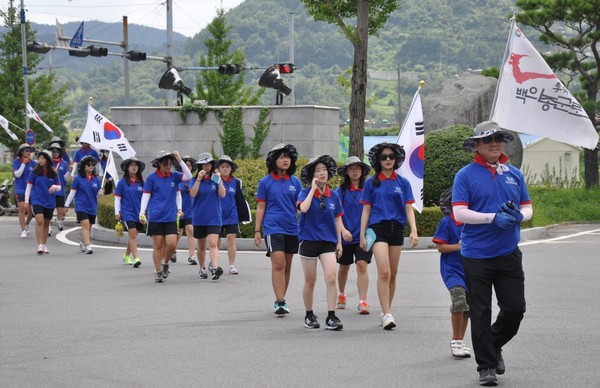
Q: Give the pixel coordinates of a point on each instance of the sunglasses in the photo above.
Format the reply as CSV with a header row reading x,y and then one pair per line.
x,y
384,157
322,202
498,138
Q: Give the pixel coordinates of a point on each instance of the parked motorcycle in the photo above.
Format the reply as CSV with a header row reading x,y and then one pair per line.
x,y
7,206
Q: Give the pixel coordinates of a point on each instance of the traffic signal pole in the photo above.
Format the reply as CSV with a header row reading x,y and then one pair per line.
x,y
25,70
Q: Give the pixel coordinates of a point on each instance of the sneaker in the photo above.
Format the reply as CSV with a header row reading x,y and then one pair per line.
x,y
281,307
363,307
387,321
467,351
500,368
203,273
165,270
233,270
341,301
27,228
50,232
210,267
59,224
310,322
127,260
82,246
487,377
192,260
158,277
333,323
216,273
45,249
174,257
88,250
24,234
137,262
458,349
40,250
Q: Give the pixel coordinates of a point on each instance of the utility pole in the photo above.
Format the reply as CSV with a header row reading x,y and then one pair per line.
x,y
293,96
169,4
25,70
126,61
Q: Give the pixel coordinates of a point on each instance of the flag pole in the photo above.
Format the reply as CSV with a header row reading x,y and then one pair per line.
x,y
110,156
412,103
513,23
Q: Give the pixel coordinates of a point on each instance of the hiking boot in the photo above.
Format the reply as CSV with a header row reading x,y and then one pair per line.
x,y
233,270
173,258
363,307
203,273
192,260
127,260
487,378
165,270
158,277
500,368
341,301
216,273
310,321
137,262
387,321
333,323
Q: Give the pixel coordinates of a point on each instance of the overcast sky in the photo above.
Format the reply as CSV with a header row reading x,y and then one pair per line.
x,y
189,16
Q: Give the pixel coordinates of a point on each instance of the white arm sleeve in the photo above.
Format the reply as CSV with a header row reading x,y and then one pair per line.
x,y
74,170
145,200
27,192
70,197
527,211
19,172
187,175
117,205
468,216
178,200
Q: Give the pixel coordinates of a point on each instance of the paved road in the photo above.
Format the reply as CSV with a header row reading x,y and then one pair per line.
x,y
74,320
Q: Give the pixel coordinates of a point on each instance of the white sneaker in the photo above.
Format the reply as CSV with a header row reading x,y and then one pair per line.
x,y
203,273
24,234
210,267
458,349
59,224
45,249
82,246
233,270
387,321
27,228
40,250
88,250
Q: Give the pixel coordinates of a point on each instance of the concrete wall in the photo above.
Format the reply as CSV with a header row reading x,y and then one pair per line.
x,y
561,157
312,129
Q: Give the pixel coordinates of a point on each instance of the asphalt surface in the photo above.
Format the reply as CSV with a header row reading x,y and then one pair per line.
x,y
74,320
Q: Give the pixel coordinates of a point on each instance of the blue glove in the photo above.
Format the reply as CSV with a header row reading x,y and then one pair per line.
x,y
504,220
510,208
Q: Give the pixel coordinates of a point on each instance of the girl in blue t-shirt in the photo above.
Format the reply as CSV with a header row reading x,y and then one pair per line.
x,y
387,208
62,169
22,167
42,184
128,198
320,235
185,221
85,190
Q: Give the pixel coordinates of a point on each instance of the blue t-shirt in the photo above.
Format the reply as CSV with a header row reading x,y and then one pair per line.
x,y
21,182
89,151
451,267
387,201
482,189
162,206
318,223
61,167
131,199
228,204
280,195
207,204
40,184
86,197
187,201
352,212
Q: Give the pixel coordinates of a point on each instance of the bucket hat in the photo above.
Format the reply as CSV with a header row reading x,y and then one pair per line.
x,y
277,151
227,159
352,160
187,158
85,161
309,169
206,157
24,147
375,152
56,139
485,129
125,164
160,156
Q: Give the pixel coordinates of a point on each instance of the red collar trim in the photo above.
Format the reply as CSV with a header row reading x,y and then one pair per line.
x,y
481,161
229,179
458,223
161,175
135,180
353,188
327,192
90,177
278,177
382,177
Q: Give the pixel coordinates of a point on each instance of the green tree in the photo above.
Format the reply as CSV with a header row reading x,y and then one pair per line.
x,y
572,25
43,97
370,16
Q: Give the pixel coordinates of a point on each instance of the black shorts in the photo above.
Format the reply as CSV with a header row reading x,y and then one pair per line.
x,y
201,231
20,198
134,225
230,229
81,216
281,243
39,209
314,249
60,201
352,253
161,228
390,232
185,222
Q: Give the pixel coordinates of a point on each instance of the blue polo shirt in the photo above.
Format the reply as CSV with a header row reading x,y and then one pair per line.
x,y
88,151
318,224
280,195
479,187
228,204
61,167
40,184
162,206
207,203
451,267
86,197
352,211
21,182
186,200
131,199
387,201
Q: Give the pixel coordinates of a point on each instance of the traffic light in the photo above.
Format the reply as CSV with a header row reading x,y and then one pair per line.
x,y
136,56
285,68
97,51
39,48
82,53
230,68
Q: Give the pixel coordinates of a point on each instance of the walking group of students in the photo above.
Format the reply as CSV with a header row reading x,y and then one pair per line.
x,y
478,237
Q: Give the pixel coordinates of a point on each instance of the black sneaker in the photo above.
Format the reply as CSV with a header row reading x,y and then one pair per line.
x,y
158,277
174,257
216,273
500,368
280,307
310,322
165,270
333,323
487,377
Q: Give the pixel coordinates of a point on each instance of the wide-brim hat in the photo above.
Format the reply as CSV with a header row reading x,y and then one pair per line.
x,y
23,147
187,158
375,151
227,159
277,151
206,157
352,160
85,161
308,170
125,164
485,129
56,139
162,155
47,154
54,146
